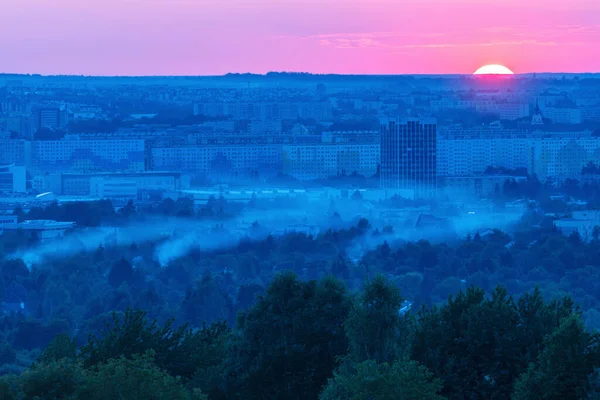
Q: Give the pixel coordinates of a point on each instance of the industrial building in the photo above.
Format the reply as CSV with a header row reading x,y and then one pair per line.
x,y
113,184
39,229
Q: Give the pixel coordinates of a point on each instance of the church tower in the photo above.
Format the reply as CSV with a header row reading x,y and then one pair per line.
x,y
537,118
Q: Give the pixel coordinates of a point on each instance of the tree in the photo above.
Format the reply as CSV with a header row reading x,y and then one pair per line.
x,y
61,347
128,210
357,196
564,366
369,380
596,233
56,380
290,340
121,272
136,378
374,326
206,302
480,345
179,351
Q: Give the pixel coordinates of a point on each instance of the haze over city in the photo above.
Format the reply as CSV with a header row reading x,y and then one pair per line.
x,y
210,37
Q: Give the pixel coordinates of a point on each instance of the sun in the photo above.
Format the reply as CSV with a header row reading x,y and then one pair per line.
x,y
493,69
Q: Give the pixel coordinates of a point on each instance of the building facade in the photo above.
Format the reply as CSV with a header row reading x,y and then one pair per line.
x,y
320,111
13,179
50,117
563,157
468,152
219,162
74,155
307,162
39,229
112,184
563,115
558,155
409,155
512,111
13,151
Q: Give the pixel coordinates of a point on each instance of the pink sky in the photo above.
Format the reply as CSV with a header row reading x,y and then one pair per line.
x,y
198,37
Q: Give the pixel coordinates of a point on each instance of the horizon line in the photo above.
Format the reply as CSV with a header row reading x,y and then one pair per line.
x,y
516,74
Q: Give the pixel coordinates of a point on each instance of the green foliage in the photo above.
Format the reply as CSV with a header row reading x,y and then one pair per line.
x,y
563,367
62,346
479,345
375,367
117,378
290,340
132,379
205,302
368,380
210,350
7,354
179,351
7,387
374,326
56,380
34,334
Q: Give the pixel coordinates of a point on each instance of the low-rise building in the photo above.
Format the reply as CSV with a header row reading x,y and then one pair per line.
x,y
113,185
13,179
39,229
583,222
7,220
481,186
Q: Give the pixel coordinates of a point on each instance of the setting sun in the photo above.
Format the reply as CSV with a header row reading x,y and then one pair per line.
x,y
493,69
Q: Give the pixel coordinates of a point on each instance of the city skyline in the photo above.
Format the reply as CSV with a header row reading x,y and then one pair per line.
x,y
181,37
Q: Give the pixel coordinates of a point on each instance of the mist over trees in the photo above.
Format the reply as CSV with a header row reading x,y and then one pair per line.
x,y
493,315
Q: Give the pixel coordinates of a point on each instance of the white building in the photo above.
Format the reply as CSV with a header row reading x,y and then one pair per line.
x,y
560,115
350,137
13,179
512,111
468,152
7,220
112,185
590,113
265,127
233,161
13,151
555,155
40,229
219,126
465,187
306,162
584,222
480,105
562,157
368,105
320,111
83,116
83,155
113,188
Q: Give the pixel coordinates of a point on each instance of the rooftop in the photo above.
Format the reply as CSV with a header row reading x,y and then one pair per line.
x,y
41,224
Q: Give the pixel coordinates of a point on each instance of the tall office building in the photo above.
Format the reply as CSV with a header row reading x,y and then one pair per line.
x,y
409,155
50,117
